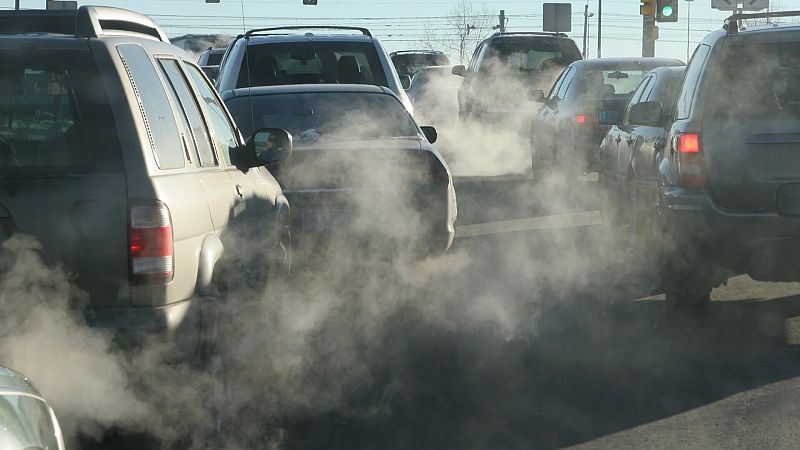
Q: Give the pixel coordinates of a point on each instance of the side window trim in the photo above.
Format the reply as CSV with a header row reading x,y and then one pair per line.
x,y
636,98
202,105
568,82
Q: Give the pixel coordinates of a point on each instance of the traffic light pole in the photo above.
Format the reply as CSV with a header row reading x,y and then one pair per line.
x,y
649,36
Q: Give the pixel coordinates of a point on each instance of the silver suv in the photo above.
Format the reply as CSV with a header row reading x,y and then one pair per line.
x,y
118,156
274,57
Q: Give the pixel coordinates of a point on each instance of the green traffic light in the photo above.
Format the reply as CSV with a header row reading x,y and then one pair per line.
x,y
666,11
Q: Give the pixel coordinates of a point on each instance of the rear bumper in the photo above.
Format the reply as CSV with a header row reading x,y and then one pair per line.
x,y
178,323
425,224
764,245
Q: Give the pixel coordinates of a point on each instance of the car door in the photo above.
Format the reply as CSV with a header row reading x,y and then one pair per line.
x,y
626,135
542,127
256,206
555,116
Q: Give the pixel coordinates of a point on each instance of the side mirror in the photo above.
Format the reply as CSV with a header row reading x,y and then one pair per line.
x,y
405,81
608,118
267,147
649,114
536,95
430,134
459,70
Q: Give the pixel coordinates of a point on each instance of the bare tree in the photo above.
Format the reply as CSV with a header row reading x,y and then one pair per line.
x,y
466,26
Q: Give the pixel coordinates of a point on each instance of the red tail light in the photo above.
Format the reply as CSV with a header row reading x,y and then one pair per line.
x,y
587,120
690,163
151,246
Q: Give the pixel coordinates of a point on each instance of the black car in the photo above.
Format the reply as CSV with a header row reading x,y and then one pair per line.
x,y
361,167
565,130
409,62
504,69
728,198
628,165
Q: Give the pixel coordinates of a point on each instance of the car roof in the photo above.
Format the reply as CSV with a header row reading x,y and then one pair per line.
x,y
12,381
416,52
626,63
309,89
526,36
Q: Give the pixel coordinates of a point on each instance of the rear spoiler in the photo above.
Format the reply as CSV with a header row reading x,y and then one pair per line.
x,y
86,22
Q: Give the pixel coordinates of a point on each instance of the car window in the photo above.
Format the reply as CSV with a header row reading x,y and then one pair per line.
x,y
473,62
198,134
647,92
312,63
770,87
557,84
684,102
54,114
224,132
570,76
330,116
27,419
154,105
637,96
529,56
613,83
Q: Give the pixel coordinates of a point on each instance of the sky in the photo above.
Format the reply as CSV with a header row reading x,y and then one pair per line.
x,y
402,24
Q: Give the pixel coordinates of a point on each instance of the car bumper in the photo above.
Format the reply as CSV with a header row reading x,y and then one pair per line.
x,y
178,323
765,245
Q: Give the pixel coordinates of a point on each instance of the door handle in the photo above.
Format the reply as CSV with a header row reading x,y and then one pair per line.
x,y
618,139
239,191
630,141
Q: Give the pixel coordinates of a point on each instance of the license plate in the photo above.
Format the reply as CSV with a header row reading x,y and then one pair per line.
x,y
788,199
329,219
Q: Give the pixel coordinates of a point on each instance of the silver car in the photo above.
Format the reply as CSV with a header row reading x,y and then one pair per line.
x,y
26,420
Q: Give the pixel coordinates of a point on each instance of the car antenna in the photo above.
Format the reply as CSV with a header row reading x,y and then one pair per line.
x,y
247,62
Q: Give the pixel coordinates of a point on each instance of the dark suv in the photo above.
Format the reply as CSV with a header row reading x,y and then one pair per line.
x,y
729,190
506,67
118,156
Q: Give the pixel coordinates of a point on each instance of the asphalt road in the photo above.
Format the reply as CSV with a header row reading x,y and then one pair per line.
x,y
538,330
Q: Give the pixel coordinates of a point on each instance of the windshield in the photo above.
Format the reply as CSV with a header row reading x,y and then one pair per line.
x,y
312,63
411,63
329,116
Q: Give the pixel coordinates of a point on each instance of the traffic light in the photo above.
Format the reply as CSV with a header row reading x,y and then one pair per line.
x,y
667,11
648,8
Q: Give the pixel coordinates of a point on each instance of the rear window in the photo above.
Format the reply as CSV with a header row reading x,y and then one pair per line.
x,y
411,63
312,63
767,86
532,55
331,116
54,114
608,83
214,58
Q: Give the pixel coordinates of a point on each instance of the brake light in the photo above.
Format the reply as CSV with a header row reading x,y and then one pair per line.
x,y
587,120
151,243
690,161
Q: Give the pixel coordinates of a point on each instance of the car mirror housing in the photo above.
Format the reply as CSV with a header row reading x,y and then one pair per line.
x,y
405,81
430,134
648,114
536,95
267,147
459,70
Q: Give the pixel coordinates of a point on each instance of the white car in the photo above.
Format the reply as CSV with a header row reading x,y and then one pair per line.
x,y
344,55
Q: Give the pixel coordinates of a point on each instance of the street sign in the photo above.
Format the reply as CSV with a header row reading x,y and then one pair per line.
x,y
733,5
61,4
557,17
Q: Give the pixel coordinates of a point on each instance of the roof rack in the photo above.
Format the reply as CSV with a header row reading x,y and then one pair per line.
x,y
732,23
98,21
261,31
86,22
400,52
537,33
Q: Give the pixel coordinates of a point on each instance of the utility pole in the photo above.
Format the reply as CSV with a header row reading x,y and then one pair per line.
x,y
16,5
586,16
649,36
502,17
599,28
